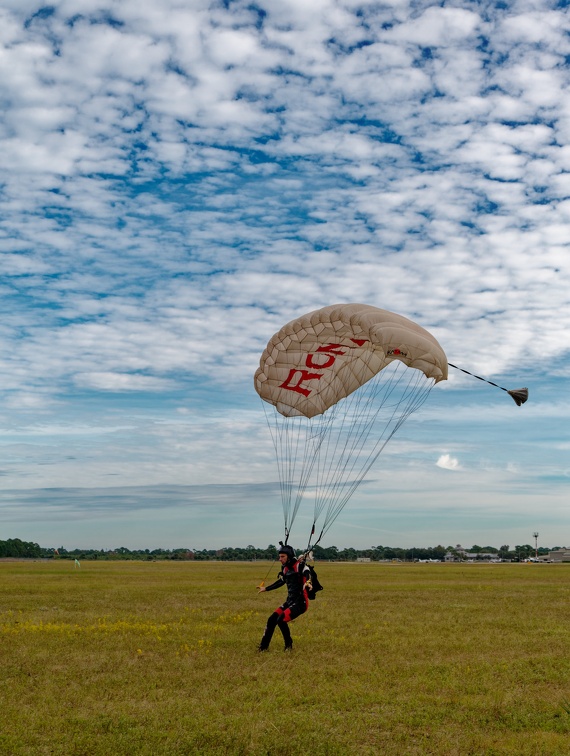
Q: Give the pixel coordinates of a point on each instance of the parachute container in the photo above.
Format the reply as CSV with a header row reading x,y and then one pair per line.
x,y
341,381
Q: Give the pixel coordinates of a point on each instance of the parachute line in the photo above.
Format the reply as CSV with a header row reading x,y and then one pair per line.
x,y
328,456
356,459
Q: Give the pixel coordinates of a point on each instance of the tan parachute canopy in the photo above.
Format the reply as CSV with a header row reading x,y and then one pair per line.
x,y
326,355
341,380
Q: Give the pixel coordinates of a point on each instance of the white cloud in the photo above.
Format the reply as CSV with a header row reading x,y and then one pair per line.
x,y
437,27
121,382
447,462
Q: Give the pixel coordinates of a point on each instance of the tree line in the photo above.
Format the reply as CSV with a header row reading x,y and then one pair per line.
x,y
17,549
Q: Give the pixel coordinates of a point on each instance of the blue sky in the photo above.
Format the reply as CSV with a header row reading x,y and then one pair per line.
x,y
182,178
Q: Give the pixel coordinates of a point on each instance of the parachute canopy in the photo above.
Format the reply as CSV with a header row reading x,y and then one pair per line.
x,y
341,380
322,357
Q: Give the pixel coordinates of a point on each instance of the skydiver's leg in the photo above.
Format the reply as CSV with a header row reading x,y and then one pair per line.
x,y
290,613
269,629
284,627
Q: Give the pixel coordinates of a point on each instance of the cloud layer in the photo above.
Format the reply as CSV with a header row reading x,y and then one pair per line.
x,y
179,180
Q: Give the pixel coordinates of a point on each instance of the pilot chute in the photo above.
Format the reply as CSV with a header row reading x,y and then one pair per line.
x,y
341,380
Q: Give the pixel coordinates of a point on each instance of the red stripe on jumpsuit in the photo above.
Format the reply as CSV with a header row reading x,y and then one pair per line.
x,y
286,613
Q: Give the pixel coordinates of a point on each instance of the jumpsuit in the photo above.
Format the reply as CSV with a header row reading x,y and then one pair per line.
x,y
294,575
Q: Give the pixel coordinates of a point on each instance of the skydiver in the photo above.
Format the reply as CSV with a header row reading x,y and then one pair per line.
x,y
297,577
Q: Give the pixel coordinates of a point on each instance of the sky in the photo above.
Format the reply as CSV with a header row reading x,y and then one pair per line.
x,y
180,178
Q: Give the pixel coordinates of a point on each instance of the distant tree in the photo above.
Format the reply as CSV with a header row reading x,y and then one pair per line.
x,y
16,548
379,553
394,553
524,552
329,553
347,555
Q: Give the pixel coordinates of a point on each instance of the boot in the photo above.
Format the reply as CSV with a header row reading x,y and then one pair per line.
x,y
288,645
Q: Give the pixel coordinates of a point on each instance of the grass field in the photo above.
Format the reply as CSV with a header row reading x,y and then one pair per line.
x,y
160,658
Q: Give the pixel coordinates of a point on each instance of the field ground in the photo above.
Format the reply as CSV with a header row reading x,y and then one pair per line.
x,y
160,658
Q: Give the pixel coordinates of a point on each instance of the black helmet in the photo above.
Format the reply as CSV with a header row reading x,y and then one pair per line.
x,y
285,549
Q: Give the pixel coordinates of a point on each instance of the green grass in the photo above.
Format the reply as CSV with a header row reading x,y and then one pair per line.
x,y
160,658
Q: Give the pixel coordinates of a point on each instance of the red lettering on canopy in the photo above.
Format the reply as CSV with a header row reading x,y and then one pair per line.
x,y
304,375
310,362
332,348
298,375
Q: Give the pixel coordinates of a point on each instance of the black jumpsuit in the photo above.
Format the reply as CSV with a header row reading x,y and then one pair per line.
x,y
294,575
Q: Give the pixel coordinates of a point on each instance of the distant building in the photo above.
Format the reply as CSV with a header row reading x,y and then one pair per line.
x,y
470,556
456,555
560,555
481,556
362,559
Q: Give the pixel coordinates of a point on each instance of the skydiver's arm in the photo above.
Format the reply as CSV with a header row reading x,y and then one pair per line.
x,y
277,584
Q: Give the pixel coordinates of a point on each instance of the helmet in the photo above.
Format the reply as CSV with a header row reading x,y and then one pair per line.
x,y
285,549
